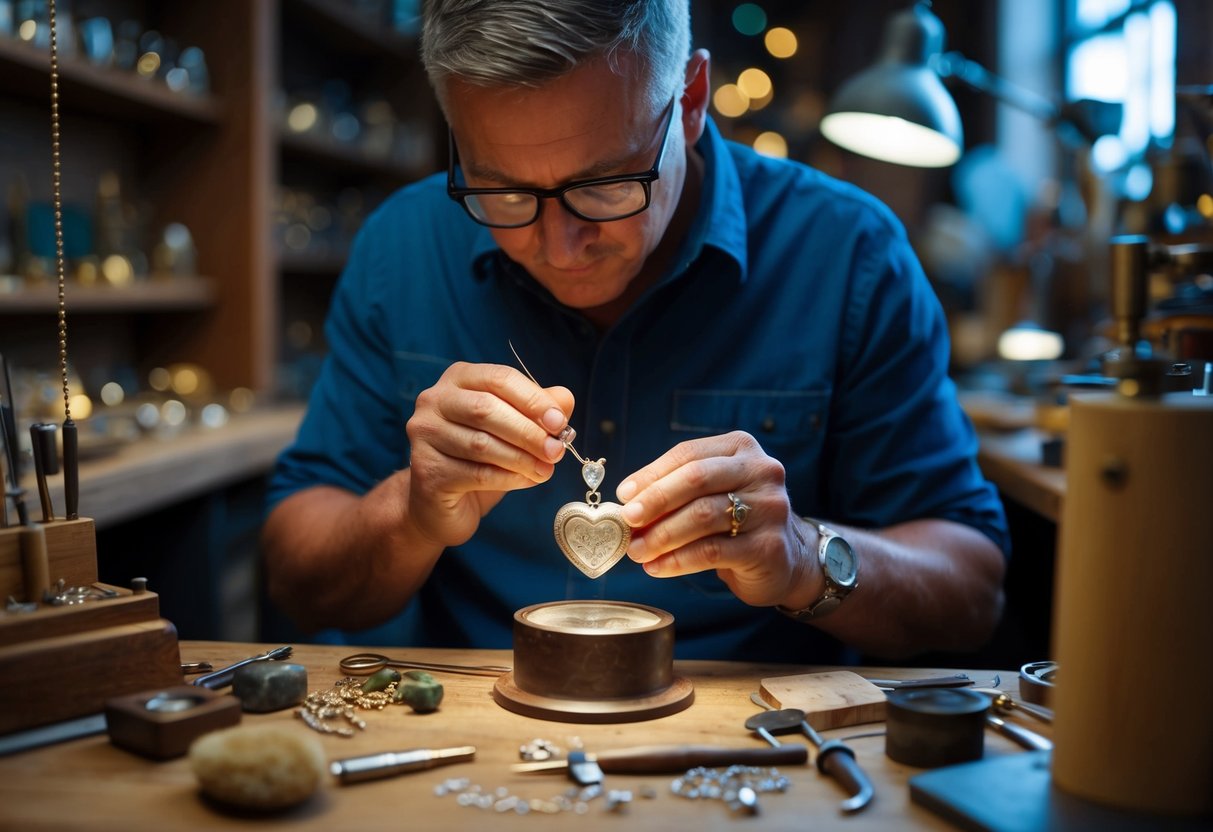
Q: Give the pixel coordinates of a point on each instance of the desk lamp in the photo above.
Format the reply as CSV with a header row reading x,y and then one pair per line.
x,y
899,110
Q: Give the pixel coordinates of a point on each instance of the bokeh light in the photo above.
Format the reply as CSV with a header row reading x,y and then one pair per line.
x,y
780,42
771,143
755,83
749,19
112,393
730,101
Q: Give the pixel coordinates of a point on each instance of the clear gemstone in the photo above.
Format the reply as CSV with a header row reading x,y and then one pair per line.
x,y
593,473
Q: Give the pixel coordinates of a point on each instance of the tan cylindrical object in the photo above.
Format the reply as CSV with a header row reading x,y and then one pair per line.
x,y
1133,632
35,563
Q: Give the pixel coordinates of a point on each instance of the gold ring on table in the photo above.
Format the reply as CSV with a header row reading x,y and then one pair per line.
x,y
738,512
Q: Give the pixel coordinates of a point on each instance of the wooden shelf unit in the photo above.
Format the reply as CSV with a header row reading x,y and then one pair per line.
x,y
177,294
211,162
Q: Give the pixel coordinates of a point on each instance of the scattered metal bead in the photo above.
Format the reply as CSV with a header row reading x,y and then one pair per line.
x,y
618,799
737,787
539,750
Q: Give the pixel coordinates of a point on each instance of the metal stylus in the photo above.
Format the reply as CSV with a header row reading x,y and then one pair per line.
x,y
391,763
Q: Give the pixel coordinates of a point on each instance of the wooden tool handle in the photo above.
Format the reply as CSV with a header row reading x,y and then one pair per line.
x,y
71,471
663,759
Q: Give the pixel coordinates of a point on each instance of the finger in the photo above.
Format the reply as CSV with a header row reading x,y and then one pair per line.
x,y
687,483
486,457
682,454
705,554
487,398
548,407
697,519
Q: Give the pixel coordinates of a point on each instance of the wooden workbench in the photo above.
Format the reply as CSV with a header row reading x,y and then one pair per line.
x,y
90,784
1012,461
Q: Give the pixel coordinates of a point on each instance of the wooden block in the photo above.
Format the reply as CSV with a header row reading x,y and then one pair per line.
x,y
50,621
71,547
829,700
51,679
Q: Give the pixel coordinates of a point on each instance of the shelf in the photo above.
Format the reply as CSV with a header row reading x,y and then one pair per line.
x,y
347,157
336,22
105,91
306,265
154,473
178,294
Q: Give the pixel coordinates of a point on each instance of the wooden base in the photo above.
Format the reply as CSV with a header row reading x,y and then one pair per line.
x,y
61,662
51,679
677,697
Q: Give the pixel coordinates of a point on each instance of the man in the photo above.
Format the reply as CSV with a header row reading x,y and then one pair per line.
x,y
726,330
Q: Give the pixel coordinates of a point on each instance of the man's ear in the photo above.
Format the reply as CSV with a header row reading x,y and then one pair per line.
x,y
695,95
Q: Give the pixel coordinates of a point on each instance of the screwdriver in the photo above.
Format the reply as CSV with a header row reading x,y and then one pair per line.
x,y
224,675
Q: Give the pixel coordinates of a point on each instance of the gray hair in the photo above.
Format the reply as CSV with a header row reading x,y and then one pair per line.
x,y
527,43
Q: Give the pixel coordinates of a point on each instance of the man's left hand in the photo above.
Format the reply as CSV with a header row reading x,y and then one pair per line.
x,y
685,521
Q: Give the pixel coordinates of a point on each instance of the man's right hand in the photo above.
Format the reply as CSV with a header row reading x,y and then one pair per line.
x,y
482,430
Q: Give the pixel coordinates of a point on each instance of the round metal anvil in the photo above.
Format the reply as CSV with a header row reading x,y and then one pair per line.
x,y
593,662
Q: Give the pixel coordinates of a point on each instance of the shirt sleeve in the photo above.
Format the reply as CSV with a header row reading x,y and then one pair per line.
x,y
353,433
902,448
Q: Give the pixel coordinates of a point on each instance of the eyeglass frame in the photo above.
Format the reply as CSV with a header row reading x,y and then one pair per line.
x,y
645,179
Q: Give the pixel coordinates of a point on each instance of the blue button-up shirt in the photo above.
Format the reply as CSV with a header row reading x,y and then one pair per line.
x,y
795,310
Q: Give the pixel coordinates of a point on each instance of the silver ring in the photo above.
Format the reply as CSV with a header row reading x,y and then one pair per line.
x,y
738,512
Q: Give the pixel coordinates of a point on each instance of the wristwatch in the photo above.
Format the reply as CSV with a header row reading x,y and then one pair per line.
x,y
839,567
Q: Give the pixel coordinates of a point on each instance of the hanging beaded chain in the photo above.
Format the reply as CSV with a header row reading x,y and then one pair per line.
x,y
57,203
322,709
737,786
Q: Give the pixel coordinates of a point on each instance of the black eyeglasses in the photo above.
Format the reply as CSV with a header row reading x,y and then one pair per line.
x,y
602,199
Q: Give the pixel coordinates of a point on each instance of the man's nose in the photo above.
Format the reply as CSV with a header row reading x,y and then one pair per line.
x,y
563,236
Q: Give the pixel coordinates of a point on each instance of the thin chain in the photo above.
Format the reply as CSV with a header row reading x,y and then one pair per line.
x,y
57,197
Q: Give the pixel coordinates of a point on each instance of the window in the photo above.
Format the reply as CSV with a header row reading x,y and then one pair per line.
x,y
1123,51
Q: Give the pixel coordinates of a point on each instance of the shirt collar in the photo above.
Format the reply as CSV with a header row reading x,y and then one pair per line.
x,y
720,222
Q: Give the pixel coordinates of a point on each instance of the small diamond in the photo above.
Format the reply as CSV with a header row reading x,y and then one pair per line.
x,y
593,473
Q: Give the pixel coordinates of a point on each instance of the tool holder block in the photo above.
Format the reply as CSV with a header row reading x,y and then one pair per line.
x,y
63,662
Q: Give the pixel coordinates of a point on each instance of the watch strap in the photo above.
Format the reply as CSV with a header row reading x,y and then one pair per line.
x,y
834,592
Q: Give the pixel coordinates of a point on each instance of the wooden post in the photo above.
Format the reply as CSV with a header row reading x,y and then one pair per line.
x,y
1134,621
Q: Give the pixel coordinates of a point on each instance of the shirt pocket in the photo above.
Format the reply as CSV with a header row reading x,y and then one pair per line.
x,y
776,418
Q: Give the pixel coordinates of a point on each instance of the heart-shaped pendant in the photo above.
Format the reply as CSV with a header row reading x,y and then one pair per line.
x,y
593,537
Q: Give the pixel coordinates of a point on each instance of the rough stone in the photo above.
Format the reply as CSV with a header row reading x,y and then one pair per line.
x,y
270,686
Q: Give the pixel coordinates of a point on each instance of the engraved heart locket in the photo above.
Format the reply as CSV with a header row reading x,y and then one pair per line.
x,y
593,535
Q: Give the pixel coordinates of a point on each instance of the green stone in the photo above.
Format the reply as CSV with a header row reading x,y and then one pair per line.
x,y
380,679
420,691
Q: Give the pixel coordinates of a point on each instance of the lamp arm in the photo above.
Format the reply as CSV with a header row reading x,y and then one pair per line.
x,y
956,65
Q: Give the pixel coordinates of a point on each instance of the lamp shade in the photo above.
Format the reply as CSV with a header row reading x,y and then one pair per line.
x,y
898,110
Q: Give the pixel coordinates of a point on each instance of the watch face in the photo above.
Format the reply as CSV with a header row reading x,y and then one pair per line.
x,y
840,561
